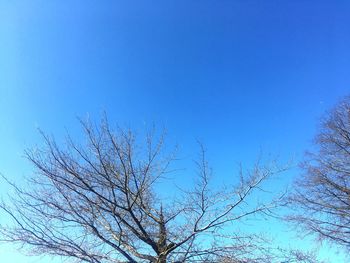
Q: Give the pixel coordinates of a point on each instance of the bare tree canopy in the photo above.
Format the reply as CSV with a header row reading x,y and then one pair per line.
x,y
323,191
98,202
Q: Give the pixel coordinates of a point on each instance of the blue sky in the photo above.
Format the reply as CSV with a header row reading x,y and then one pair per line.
x,y
238,75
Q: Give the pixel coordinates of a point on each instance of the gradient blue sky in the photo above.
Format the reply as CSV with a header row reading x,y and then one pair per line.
x,y
238,75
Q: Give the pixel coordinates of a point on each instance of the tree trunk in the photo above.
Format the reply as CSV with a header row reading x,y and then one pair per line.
x,y
161,259
162,244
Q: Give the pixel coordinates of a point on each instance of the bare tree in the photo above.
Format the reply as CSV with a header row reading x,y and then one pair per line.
x,y
100,202
323,191
279,255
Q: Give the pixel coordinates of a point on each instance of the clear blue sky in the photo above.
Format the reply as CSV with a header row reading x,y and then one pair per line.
x,y
238,75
